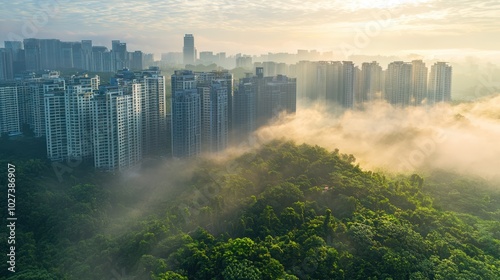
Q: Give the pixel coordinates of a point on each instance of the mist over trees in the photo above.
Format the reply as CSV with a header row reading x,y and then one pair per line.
x,y
282,211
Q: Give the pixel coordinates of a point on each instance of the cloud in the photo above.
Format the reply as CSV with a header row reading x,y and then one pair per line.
x,y
321,24
461,138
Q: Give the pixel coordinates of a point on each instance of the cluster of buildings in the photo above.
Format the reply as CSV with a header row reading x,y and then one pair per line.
x,y
137,116
342,82
48,54
117,125
401,84
209,111
190,56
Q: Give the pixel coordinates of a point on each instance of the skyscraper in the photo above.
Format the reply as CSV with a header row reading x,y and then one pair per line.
x,y
119,55
244,108
37,89
78,97
214,112
77,55
189,50
98,58
440,83
55,125
418,82
153,112
66,55
275,95
116,128
186,115
371,81
334,89
50,50
32,54
6,64
9,112
16,48
86,54
330,82
205,80
349,74
136,61
398,83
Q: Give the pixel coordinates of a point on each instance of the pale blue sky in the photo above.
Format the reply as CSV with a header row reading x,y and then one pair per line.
x,y
427,27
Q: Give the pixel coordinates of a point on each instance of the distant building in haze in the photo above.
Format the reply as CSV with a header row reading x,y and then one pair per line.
x,y
440,83
275,95
418,82
259,99
398,80
189,51
371,81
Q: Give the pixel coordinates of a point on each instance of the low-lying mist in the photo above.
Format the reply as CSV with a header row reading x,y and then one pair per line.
x,y
461,138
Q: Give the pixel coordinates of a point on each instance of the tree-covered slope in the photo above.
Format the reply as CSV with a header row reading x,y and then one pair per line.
x,y
283,211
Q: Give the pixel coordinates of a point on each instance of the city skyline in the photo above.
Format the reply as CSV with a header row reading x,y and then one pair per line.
x,y
445,29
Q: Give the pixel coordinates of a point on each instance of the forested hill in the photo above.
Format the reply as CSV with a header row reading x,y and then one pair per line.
x,y
284,211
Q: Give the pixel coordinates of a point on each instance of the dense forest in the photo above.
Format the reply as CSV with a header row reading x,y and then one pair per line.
x,y
282,211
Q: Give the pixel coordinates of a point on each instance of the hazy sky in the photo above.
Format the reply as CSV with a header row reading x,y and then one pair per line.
x,y
429,27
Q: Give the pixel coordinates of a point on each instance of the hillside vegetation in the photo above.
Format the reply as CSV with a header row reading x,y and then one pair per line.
x,y
283,211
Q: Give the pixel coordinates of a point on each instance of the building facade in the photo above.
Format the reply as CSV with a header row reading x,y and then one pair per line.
x,y
186,115
440,83
189,51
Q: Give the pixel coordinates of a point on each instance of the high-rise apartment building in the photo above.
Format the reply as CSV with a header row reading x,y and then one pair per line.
x,y
6,64
116,130
78,97
55,125
275,95
119,56
17,51
215,116
186,115
50,50
440,83
189,51
37,89
327,82
153,112
371,81
244,62
9,111
334,83
312,81
53,54
418,82
136,61
32,54
77,55
398,80
205,80
244,108
349,75
86,54
66,55
98,54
